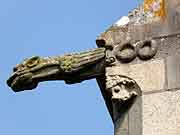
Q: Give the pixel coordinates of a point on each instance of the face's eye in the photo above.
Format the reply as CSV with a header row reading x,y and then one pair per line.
x,y
32,61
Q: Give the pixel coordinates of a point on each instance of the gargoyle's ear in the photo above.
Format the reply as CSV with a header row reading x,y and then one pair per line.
x,y
33,61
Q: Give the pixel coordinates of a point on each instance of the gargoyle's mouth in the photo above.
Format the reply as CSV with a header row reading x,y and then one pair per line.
x,y
21,81
29,79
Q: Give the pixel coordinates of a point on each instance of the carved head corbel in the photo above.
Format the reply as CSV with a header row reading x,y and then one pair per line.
x,y
122,88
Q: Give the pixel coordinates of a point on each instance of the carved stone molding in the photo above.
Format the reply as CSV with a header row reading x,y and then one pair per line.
x,y
146,49
127,52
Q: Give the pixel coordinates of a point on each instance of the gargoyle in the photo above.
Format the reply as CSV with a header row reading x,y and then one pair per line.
x,y
72,68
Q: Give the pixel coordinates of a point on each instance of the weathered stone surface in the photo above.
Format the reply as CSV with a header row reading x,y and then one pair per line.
x,y
150,76
173,71
130,122
177,116
122,126
161,113
153,114
135,118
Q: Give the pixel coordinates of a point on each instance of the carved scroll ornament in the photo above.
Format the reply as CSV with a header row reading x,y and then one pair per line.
x,y
145,50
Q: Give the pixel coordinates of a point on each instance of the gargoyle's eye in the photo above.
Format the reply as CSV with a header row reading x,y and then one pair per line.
x,y
32,61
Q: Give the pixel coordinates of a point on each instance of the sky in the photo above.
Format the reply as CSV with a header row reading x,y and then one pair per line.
x,y
50,28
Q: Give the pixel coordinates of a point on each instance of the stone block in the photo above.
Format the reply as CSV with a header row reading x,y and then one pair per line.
x,y
150,76
130,122
161,113
122,127
173,71
152,114
135,118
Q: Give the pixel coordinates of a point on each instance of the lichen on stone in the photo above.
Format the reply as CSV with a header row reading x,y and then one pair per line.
x,y
67,62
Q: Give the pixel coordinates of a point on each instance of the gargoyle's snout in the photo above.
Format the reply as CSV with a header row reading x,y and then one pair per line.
x,y
20,81
30,72
18,67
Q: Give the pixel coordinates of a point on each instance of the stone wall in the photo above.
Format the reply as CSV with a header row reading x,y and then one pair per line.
x,y
157,111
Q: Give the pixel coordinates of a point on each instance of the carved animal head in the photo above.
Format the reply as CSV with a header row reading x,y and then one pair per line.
x,y
27,74
71,68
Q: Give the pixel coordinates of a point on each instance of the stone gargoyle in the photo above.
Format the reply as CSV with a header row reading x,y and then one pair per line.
x,y
75,68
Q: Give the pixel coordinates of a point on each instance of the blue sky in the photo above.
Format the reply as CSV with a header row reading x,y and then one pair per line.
x,y
49,28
